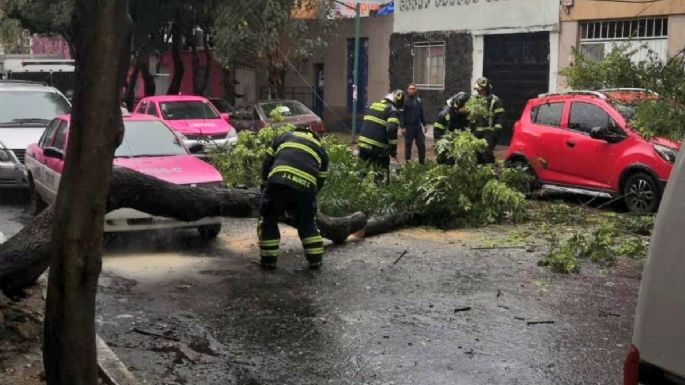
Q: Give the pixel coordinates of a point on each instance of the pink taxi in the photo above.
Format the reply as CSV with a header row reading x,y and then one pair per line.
x,y
149,147
194,117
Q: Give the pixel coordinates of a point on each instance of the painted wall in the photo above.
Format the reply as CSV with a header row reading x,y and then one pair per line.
x,y
569,29
474,15
596,10
50,45
378,30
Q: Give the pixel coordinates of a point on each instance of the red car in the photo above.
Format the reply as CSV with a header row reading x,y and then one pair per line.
x,y
581,142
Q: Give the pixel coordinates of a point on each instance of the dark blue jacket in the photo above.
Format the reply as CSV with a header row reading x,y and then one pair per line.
x,y
412,116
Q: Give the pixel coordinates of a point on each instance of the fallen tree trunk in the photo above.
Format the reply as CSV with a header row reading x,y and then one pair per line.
x,y
25,256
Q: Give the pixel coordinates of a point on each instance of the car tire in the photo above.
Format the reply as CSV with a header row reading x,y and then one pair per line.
x,y
523,165
36,203
209,231
641,193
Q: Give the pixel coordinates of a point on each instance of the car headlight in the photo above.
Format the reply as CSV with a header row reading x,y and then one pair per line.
x,y
666,153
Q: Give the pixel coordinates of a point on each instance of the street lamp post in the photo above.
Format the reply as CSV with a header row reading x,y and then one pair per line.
x,y
355,93
355,86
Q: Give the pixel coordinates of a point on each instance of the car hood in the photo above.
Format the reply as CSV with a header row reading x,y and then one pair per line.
x,y
200,126
665,142
299,119
18,138
182,169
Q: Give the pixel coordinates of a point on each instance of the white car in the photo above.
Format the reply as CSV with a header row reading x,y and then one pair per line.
x,y
26,108
657,354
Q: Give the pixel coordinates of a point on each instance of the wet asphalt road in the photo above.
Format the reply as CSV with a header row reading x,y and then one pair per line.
x,y
180,311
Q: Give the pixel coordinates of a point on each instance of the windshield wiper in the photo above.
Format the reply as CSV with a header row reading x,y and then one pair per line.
x,y
146,155
22,121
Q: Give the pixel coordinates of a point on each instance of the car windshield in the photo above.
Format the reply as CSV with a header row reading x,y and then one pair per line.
x,y
221,105
187,110
148,138
626,110
287,108
19,107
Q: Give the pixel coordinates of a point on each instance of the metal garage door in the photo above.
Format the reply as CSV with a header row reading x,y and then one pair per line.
x,y
518,66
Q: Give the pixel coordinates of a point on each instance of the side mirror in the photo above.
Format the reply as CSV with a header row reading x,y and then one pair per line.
x,y
51,152
196,148
599,133
225,116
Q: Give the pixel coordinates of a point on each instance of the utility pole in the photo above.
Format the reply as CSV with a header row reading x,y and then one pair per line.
x,y
355,87
355,69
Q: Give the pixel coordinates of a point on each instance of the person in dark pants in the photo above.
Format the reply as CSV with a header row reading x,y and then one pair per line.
x,y
452,118
487,127
293,172
414,125
378,136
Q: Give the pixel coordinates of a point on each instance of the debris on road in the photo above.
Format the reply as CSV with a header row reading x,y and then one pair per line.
x,y
461,309
539,322
153,334
400,257
603,313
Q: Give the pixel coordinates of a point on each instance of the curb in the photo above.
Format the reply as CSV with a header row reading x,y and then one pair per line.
x,y
112,370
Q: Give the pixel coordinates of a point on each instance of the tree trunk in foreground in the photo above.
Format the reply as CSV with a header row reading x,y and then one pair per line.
x,y
24,257
102,60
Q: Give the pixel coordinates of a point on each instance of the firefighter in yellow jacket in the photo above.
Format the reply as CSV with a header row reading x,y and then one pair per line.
x,y
293,172
378,136
487,127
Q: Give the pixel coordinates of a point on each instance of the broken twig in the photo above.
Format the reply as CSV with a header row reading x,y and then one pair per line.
x,y
400,257
460,309
152,334
498,247
539,322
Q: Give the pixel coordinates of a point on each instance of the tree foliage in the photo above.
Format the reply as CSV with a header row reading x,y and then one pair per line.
x,y
438,195
664,116
272,32
43,16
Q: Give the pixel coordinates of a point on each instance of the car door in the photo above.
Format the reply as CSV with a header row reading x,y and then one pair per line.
x,y
56,165
36,162
245,119
588,162
546,135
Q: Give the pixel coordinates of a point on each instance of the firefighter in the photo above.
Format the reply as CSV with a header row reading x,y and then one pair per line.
x,y
453,117
293,172
487,127
378,136
413,125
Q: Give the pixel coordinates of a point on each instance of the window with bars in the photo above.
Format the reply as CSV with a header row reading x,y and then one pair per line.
x,y
429,65
624,29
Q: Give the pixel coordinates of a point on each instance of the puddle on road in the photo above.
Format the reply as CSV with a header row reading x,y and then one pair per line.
x,y
154,267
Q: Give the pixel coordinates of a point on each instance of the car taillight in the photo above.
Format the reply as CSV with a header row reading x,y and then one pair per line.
x,y
631,367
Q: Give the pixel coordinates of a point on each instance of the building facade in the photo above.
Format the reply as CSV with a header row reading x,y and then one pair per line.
x,y
325,83
646,28
445,45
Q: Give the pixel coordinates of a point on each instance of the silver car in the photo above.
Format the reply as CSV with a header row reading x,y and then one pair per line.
x,y
26,108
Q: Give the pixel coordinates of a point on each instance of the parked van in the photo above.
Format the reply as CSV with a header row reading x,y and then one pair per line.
x,y
657,353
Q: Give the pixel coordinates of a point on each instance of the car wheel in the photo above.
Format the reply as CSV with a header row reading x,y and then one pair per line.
x,y
36,203
642,193
524,166
209,231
